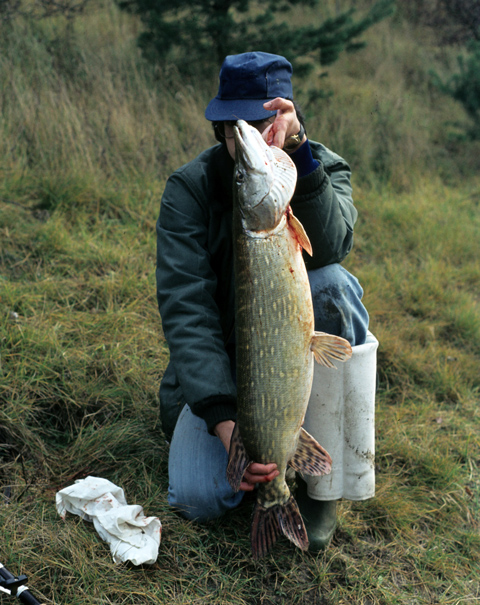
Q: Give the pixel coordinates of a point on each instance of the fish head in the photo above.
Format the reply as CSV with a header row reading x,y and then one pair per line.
x,y
264,179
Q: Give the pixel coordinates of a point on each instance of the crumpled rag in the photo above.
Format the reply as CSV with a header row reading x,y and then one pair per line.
x,y
131,536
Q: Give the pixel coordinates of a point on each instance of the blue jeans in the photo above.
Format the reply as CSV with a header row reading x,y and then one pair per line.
x,y
197,461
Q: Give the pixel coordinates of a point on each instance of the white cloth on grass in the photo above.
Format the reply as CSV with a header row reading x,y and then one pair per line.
x,y
131,536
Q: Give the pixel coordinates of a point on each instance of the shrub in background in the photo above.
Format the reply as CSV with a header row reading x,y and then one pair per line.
x,y
464,86
197,35
40,9
454,21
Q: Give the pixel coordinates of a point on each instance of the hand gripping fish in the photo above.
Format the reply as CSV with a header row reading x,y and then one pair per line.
x,y
275,338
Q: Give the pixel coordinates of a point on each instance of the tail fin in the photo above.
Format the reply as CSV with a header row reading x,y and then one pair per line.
x,y
269,523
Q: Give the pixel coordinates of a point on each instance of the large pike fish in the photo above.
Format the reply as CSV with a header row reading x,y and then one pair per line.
x,y
275,338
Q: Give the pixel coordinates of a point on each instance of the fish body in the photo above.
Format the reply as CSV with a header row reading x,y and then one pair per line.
x,y
275,338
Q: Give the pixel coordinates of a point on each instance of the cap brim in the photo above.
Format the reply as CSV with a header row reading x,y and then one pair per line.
x,y
225,110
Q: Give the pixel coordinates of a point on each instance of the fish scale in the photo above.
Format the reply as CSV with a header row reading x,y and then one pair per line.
x,y
273,336
275,339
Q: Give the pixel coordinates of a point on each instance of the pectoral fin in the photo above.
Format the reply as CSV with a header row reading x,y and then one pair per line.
x,y
238,460
326,347
299,231
310,458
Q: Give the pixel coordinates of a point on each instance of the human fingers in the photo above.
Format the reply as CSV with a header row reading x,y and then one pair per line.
x,y
260,473
267,134
286,121
250,480
256,468
279,104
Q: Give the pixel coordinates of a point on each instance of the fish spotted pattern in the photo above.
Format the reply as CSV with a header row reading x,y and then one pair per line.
x,y
275,338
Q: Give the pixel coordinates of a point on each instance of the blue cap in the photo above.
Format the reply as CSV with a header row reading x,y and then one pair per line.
x,y
246,82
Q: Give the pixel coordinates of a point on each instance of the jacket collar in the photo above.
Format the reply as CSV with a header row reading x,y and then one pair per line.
x,y
223,167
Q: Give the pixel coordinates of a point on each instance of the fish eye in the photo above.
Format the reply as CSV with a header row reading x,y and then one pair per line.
x,y
240,177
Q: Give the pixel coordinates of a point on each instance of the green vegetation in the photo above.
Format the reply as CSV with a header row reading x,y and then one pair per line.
x,y
89,133
199,33
464,86
458,24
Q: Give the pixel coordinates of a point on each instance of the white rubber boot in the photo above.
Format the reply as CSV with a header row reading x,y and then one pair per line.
x,y
341,417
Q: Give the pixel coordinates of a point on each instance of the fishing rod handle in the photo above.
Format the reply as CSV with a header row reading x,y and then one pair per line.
x,y
26,597
22,592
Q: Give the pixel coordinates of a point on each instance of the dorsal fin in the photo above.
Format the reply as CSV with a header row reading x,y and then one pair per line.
x,y
238,460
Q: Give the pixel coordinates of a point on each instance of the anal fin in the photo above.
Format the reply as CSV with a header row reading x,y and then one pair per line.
x,y
238,460
310,458
327,347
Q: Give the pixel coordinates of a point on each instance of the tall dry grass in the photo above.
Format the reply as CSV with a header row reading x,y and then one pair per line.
x,y
385,115
77,99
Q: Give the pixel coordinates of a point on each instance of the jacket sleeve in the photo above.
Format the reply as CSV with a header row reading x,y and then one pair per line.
x,y
323,203
186,285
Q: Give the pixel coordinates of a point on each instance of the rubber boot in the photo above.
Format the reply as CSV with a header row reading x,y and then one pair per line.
x,y
340,416
319,516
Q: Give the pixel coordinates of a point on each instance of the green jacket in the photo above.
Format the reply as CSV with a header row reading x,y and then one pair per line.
x,y
195,282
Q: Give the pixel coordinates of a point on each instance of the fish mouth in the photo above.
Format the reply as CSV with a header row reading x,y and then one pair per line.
x,y
250,151
247,140
269,179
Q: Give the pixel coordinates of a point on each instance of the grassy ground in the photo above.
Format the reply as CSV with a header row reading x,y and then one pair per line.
x,y
82,349
82,352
